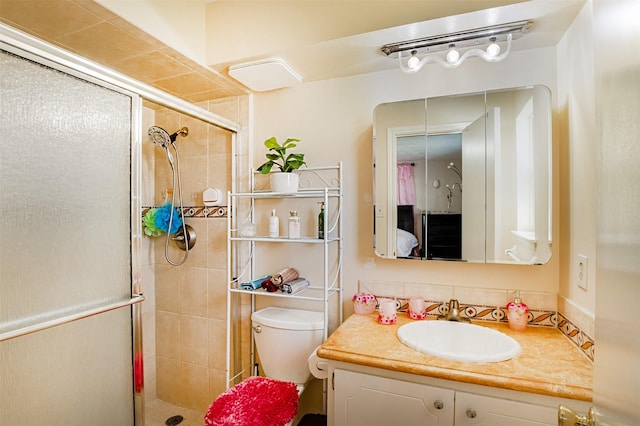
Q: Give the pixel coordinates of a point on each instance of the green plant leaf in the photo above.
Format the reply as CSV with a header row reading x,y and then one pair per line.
x,y
272,143
265,168
274,157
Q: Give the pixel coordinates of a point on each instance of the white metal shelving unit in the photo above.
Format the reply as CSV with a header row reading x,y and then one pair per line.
x,y
319,183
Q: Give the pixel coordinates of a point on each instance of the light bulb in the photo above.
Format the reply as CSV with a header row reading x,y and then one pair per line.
x,y
413,61
453,55
494,48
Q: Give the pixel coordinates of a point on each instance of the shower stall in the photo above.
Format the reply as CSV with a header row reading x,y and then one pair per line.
x,y
68,259
79,280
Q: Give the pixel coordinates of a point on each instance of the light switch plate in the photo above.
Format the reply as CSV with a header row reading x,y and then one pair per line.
x,y
582,265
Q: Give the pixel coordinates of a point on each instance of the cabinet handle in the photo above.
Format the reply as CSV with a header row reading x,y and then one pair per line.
x,y
568,417
471,413
438,404
257,329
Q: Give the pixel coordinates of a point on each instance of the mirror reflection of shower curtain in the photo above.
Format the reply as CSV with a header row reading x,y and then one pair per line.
x,y
406,185
66,248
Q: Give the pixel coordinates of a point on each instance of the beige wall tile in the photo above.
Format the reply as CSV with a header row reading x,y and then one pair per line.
x,y
48,19
195,385
219,141
189,83
217,383
429,291
169,380
148,158
194,182
198,253
90,30
105,43
481,296
149,65
168,119
194,145
217,243
193,340
217,342
217,294
133,30
167,286
219,171
168,335
149,334
227,108
578,316
193,291
537,300
150,378
97,9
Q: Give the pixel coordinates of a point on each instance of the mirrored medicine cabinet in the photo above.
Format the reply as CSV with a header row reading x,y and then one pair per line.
x,y
464,178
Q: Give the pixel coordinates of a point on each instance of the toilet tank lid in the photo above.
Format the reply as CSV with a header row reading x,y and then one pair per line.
x,y
289,319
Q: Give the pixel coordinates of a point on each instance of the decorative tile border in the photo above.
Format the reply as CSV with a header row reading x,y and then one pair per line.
x,y
578,337
198,211
540,318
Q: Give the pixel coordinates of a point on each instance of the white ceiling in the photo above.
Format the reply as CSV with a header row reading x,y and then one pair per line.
x,y
360,53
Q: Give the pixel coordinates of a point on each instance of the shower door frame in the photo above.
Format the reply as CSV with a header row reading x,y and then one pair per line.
x,y
31,50
34,49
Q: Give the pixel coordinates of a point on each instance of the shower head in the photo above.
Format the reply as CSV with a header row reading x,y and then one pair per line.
x,y
452,166
159,136
162,138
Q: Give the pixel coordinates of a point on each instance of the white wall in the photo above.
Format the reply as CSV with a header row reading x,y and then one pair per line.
x,y
333,118
576,124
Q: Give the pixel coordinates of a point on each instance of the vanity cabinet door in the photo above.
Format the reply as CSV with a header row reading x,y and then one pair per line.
x,y
367,400
480,410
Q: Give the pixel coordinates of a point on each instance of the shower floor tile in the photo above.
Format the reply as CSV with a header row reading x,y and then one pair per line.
x,y
157,412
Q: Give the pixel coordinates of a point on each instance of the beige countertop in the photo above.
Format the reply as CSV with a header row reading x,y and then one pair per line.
x,y
549,363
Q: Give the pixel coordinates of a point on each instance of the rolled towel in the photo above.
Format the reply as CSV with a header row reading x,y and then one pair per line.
x,y
269,285
295,286
254,284
284,276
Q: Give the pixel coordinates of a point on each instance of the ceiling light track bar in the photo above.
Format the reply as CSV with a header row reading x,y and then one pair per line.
x,y
465,38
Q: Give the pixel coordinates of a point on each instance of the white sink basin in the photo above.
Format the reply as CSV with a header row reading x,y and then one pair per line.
x,y
459,341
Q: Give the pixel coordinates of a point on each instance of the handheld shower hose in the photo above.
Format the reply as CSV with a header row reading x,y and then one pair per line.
x,y
161,138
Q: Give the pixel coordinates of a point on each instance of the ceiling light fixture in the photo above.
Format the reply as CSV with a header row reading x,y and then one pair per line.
x,y
459,46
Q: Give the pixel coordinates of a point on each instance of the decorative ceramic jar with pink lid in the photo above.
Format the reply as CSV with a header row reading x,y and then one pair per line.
x,y
364,303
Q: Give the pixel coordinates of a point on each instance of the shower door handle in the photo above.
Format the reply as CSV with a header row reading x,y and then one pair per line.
x,y
136,298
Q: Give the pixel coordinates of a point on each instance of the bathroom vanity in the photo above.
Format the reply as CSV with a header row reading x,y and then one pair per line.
x,y
374,379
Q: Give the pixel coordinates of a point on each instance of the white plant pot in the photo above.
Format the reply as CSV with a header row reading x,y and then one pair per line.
x,y
286,183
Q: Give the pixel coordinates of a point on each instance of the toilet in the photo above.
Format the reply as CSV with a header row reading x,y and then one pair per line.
x,y
284,338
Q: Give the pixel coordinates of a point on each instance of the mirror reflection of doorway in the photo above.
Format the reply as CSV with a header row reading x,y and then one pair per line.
x,y
429,195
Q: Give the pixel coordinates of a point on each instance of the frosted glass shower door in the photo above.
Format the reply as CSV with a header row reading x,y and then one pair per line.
x,y
65,248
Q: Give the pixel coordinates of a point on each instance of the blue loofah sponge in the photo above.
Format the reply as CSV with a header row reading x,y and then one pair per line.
x,y
162,217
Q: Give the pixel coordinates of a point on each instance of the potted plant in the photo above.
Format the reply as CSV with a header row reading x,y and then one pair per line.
x,y
286,181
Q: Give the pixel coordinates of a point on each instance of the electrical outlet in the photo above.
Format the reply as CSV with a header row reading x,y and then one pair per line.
x,y
582,265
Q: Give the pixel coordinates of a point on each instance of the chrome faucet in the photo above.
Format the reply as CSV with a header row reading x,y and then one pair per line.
x,y
454,313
